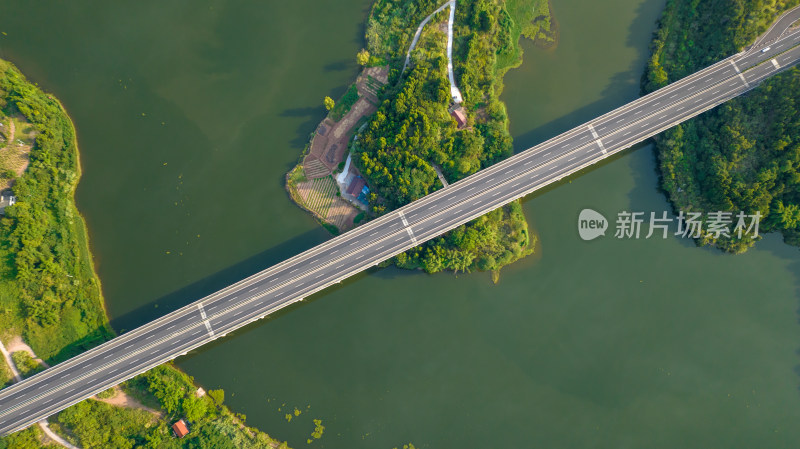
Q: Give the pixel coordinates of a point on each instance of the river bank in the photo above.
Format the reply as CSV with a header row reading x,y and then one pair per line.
x,y
51,295
49,291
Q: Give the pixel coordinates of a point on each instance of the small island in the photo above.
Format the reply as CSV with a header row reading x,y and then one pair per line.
x,y
423,113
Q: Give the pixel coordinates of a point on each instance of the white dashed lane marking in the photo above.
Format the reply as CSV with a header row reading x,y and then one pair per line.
x,y
408,228
597,139
205,320
740,74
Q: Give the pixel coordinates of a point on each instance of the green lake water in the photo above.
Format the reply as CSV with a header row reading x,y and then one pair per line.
x,y
190,113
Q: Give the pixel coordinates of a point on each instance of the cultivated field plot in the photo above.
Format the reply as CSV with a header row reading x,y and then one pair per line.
x,y
319,196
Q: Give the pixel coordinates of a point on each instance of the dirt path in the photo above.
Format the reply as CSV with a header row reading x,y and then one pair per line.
x,y
16,344
455,93
419,32
10,363
122,399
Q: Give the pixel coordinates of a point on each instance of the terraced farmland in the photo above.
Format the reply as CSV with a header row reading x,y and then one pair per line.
x,y
319,196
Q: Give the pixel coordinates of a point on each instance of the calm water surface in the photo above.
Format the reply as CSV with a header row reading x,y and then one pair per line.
x,y
189,114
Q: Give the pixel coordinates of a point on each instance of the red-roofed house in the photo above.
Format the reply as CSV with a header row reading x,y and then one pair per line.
x,y
460,115
180,429
355,186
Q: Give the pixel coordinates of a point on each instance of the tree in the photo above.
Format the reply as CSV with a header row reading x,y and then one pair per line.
x,y
25,439
362,57
329,103
218,396
210,438
194,408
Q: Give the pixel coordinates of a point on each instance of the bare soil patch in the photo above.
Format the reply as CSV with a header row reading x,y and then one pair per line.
x,y
122,399
330,142
17,344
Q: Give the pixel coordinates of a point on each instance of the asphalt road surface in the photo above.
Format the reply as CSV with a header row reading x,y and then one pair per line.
x,y
216,315
778,28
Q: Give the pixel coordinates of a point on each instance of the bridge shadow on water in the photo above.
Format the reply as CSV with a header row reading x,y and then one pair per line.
x,y
383,273
282,312
235,273
219,280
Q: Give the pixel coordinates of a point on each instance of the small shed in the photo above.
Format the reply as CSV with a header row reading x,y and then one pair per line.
x,y
6,199
363,195
460,115
180,429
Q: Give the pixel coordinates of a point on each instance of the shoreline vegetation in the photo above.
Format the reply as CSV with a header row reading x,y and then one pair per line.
x,y
50,295
743,155
411,133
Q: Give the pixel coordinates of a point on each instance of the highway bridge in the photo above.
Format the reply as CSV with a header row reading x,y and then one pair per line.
x,y
253,298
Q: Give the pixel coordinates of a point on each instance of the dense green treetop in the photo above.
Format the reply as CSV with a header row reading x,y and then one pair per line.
x,y
413,130
743,155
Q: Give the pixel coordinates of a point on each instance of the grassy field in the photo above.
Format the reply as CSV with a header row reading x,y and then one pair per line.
x,y
320,197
